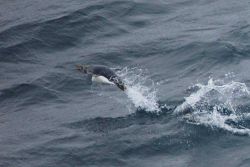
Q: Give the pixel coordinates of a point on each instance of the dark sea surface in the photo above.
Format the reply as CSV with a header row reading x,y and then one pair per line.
x,y
186,64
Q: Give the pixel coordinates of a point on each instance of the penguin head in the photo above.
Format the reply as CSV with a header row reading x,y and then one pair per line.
x,y
82,68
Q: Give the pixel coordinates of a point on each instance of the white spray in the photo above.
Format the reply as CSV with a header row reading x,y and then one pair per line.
x,y
140,89
216,105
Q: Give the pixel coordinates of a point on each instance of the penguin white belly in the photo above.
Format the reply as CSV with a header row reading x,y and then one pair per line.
x,y
101,79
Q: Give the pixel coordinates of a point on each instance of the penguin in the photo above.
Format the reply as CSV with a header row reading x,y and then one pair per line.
x,y
102,74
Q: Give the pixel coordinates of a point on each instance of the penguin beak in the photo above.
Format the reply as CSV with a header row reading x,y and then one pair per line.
x,y
82,68
79,67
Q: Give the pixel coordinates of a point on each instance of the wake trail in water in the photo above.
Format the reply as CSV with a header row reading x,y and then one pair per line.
x,y
218,104
221,104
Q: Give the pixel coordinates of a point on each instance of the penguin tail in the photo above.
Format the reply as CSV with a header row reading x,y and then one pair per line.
x,y
121,86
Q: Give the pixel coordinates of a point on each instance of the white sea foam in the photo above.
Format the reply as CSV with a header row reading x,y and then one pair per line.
x,y
218,104
140,89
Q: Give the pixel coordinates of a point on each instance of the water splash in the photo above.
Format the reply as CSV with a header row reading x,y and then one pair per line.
x,y
218,104
140,89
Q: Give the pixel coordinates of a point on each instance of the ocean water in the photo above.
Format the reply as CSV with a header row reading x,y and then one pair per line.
x,y
186,64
